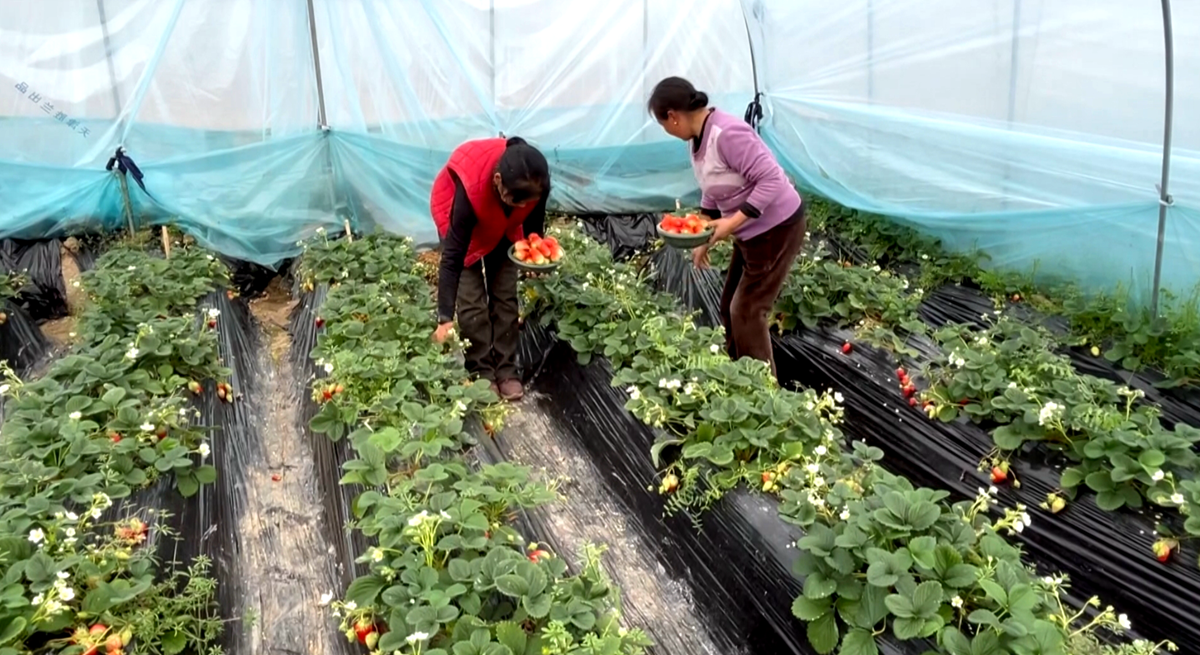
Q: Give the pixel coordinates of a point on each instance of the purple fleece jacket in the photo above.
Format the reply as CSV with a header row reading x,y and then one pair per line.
x,y
736,170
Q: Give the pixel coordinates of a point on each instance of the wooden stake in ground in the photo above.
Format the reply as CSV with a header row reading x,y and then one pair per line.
x,y
346,224
166,239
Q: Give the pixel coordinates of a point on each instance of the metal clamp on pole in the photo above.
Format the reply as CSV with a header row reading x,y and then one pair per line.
x,y
124,165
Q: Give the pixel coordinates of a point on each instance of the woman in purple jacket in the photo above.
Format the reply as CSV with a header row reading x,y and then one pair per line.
x,y
744,189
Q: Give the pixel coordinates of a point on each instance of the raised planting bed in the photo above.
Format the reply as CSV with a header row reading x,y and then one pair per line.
x,y
665,600
949,456
442,568
88,452
725,425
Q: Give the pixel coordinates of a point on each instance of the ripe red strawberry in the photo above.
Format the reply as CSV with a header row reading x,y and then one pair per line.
x,y
113,644
327,394
97,629
1016,297
114,437
162,433
846,348
767,476
538,555
901,373
212,323
362,629
221,393
230,294
320,322
999,473
912,401
909,390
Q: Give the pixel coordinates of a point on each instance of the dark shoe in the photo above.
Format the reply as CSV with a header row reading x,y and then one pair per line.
x,y
512,389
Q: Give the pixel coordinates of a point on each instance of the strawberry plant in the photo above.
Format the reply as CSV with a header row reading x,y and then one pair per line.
x,y
453,574
111,417
447,572
878,303
1012,379
879,555
1119,328
11,284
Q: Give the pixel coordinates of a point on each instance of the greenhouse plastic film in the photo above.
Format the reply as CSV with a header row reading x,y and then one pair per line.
x,y
738,564
40,262
985,127
21,342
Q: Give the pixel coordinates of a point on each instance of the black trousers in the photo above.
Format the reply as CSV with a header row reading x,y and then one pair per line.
x,y
488,314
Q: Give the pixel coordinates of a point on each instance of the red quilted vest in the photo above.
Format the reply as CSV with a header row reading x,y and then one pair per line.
x,y
474,162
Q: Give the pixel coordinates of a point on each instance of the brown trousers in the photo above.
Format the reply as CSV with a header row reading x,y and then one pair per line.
x,y
757,271
488,313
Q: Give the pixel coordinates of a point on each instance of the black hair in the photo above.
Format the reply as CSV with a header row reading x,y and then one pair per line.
x,y
523,170
675,94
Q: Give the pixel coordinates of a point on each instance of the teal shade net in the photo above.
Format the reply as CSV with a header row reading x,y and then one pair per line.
x,y
1030,129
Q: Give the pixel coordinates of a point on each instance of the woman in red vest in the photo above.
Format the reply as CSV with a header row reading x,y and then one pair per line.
x,y
489,195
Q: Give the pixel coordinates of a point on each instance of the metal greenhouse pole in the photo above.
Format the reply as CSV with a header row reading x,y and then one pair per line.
x,y
754,112
112,71
316,53
322,117
1164,196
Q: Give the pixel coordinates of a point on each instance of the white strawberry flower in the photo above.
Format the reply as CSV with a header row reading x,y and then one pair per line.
x,y
1124,621
956,602
1177,499
1158,475
714,349
326,598
147,427
37,536
75,416
204,450
416,637
821,450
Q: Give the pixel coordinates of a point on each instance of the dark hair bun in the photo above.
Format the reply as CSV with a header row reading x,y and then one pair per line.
x,y
515,141
699,101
